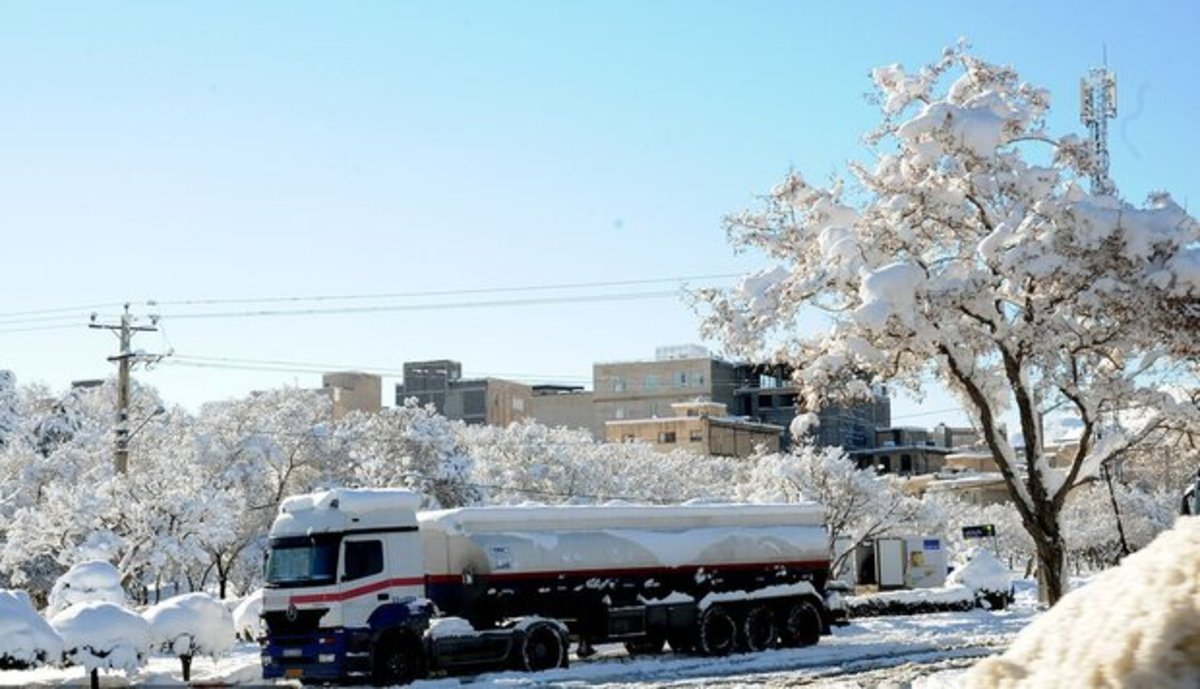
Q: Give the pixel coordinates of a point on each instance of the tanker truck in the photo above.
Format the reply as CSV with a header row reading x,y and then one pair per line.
x,y
361,586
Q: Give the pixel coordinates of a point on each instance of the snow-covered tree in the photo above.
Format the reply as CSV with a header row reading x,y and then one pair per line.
x,y
859,504
970,251
252,453
409,446
100,636
189,625
26,640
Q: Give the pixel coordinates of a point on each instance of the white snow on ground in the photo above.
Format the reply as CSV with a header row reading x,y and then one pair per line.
x,y
1137,625
956,593
191,624
25,636
103,635
94,580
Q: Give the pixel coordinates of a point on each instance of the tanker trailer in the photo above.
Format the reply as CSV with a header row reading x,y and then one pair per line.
x,y
387,593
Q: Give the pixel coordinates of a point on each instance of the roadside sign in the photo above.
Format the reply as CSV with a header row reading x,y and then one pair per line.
x,y
980,531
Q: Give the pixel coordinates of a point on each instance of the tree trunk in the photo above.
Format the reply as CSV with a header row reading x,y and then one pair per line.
x,y
1052,561
96,678
186,661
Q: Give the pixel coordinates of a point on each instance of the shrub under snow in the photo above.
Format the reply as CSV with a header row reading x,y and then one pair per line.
x,y
246,621
26,638
90,581
191,624
987,577
101,635
1137,625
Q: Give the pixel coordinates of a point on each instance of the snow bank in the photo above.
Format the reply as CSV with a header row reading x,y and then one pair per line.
x,y
94,580
1137,625
247,620
25,638
191,624
103,635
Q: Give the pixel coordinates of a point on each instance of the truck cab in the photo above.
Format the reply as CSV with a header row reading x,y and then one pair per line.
x,y
344,569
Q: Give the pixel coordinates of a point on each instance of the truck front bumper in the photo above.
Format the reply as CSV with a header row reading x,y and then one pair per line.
x,y
326,655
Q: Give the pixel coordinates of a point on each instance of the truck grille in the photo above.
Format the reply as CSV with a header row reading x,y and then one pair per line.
x,y
304,622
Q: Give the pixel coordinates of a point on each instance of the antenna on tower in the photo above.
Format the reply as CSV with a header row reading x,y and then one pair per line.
x,y
1098,105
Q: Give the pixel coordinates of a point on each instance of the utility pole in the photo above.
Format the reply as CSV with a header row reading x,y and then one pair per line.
x,y
1097,105
125,359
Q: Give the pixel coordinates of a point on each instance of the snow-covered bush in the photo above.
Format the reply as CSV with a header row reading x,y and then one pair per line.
x,y
247,623
916,602
983,574
100,636
94,580
26,639
189,625
1136,625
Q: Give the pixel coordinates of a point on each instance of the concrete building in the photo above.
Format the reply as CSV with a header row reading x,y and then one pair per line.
x,y
765,393
353,391
491,401
647,389
701,427
569,406
904,451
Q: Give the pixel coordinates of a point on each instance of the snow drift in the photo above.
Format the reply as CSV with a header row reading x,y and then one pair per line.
x,y
1137,625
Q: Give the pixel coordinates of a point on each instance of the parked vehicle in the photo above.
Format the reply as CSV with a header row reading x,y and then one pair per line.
x,y
360,586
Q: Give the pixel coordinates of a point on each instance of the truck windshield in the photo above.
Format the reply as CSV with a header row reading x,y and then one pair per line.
x,y
302,561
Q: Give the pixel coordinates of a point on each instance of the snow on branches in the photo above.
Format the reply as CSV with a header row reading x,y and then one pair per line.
x,y
970,251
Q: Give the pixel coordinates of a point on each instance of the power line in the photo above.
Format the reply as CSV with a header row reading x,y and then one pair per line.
x,y
444,293
64,309
533,301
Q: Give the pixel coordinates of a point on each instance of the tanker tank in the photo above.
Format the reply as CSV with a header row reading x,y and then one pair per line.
x,y
490,563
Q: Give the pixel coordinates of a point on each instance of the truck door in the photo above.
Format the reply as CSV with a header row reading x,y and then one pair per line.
x,y
363,578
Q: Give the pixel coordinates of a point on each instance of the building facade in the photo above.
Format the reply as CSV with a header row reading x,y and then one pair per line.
x,y
491,401
647,389
703,428
353,391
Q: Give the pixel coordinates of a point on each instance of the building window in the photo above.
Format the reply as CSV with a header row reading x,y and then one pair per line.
x,y
666,437
696,380
680,379
618,384
906,464
696,436
619,413
651,382
518,404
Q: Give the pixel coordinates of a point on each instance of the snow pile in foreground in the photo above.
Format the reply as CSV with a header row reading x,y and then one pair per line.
x,y
191,624
1137,625
25,638
95,580
103,635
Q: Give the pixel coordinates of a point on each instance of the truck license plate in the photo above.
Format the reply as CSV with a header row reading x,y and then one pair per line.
x,y
293,673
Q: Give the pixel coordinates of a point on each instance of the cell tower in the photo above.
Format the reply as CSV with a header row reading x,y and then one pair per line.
x,y
1097,105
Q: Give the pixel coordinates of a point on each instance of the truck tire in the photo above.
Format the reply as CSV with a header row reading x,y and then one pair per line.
x,y
716,632
398,660
801,624
759,630
541,647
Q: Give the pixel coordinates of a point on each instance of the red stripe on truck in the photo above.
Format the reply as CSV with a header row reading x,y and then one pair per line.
x,y
339,596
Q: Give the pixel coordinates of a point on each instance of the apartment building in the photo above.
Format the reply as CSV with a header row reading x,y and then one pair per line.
x,y
353,391
491,401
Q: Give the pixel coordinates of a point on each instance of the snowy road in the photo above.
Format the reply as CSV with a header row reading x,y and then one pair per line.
x,y
865,653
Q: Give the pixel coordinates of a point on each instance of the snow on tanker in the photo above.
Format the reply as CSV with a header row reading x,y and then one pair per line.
x,y
362,586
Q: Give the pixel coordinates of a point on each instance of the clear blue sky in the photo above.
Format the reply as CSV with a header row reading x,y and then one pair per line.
x,y
178,151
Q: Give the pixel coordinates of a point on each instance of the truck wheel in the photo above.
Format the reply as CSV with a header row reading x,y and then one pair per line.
x,y
651,644
541,648
398,660
716,633
758,629
801,625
